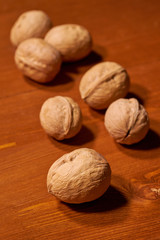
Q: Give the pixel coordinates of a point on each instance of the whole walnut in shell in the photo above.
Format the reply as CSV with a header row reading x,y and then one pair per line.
x,y
38,60
82,175
104,83
73,41
127,121
61,117
31,24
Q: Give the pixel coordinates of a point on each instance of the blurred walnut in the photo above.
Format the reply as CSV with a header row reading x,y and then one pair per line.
x,y
127,121
82,175
31,24
61,117
104,83
38,60
73,41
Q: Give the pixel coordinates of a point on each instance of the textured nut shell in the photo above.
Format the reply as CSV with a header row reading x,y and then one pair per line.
x,y
31,24
73,41
61,117
104,83
82,175
38,60
127,121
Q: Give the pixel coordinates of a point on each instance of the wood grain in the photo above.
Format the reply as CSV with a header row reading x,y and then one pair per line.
x,y
126,32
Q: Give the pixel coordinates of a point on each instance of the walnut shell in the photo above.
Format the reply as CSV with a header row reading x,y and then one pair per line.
x,y
73,41
127,121
104,83
38,60
82,175
31,24
61,117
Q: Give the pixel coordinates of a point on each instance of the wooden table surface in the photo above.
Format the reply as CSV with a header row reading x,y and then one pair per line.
x,y
127,32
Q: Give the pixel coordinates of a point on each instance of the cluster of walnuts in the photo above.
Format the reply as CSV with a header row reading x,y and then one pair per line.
x,y
82,175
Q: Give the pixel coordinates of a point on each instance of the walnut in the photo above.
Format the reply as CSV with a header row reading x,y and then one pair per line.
x,y
104,83
38,60
73,41
61,117
31,24
82,175
127,121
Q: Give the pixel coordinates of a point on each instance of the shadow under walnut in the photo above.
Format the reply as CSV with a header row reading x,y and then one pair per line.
x,y
111,200
93,58
61,79
84,136
145,149
109,209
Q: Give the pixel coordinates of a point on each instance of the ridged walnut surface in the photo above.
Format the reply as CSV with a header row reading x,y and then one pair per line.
x,y
127,32
38,60
127,121
73,41
82,175
61,117
31,24
104,83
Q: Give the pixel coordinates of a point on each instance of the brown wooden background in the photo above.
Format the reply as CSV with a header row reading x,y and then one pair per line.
x,y
127,32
